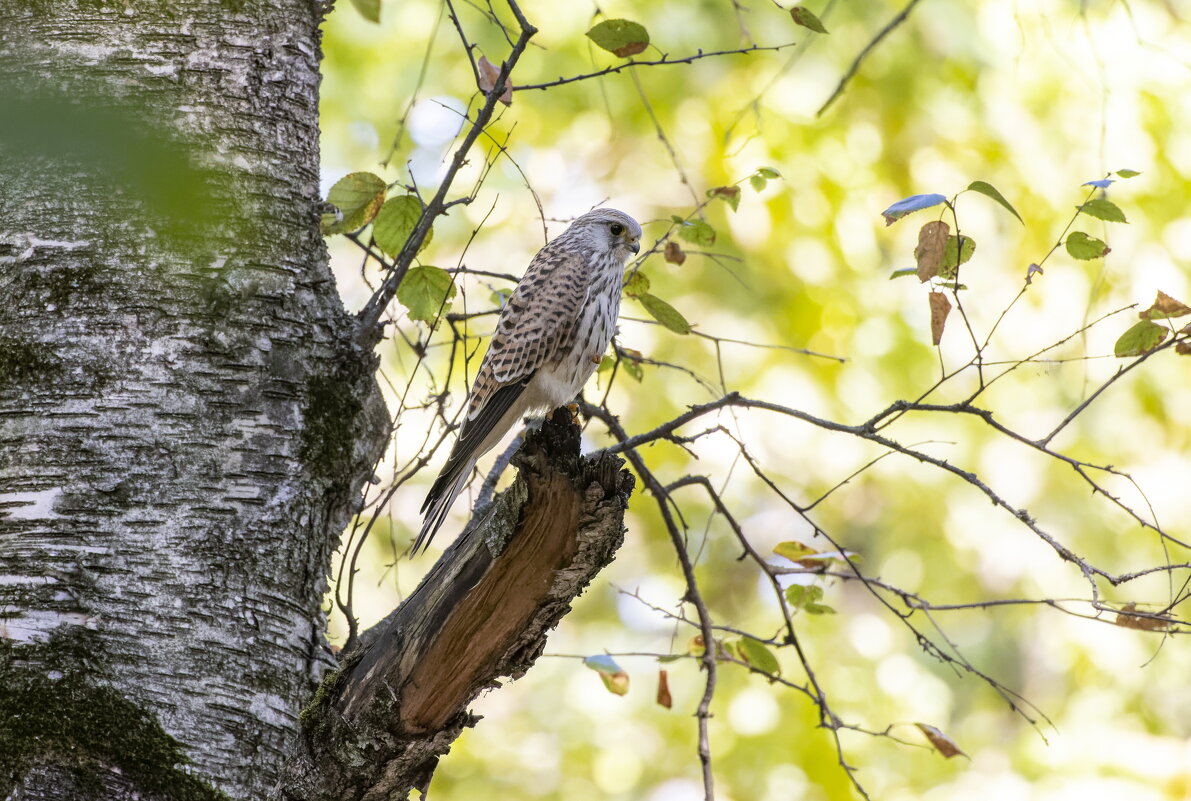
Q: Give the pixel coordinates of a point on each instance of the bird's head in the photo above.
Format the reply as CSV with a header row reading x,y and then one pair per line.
x,y
612,231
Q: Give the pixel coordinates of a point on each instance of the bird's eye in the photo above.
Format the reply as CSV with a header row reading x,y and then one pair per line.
x,y
616,228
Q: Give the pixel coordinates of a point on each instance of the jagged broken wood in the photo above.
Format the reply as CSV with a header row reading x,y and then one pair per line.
x,y
378,725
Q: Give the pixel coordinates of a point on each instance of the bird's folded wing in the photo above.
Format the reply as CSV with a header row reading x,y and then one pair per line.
x,y
538,320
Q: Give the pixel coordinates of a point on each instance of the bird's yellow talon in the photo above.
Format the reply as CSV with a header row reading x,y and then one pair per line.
x,y
573,408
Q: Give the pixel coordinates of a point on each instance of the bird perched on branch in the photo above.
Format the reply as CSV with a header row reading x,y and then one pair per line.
x,y
549,339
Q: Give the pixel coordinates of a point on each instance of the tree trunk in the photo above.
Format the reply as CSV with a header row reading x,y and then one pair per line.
x,y
186,421
183,418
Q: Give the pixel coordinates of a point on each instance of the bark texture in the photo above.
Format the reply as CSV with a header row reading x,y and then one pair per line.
x,y
183,416
379,724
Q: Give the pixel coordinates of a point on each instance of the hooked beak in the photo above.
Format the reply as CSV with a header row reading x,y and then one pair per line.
x,y
635,246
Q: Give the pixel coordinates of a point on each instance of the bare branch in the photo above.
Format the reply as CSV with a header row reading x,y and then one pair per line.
x,y
664,60
881,34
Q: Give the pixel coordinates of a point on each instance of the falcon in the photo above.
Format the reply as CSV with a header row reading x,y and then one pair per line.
x,y
548,341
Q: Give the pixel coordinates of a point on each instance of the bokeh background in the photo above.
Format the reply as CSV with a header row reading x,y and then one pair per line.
x,y
1033,97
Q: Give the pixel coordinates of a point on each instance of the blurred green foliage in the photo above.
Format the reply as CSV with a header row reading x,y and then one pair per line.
x,y
1034,99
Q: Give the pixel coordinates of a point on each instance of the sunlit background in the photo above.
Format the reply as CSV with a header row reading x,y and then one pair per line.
x,y
1033,97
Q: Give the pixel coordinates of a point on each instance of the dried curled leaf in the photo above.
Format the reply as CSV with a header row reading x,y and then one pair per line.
x,y
940,307
942,743
932,243
728,194
674,253
489,73
663,697
1165,307
1128,618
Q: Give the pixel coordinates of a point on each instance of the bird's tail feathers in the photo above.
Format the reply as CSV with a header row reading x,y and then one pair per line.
x,y
438,501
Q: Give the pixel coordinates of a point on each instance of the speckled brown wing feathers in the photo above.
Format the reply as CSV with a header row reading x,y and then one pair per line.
x,y
537,321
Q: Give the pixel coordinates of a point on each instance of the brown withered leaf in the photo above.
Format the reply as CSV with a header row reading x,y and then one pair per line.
x,y
1128,620
728,194
674,253
664,690
1165,307
1182,348
942,743
940,307
932,244
489,72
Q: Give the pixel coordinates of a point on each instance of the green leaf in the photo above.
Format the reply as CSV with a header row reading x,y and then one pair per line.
x,y
955,255
500,297
793,550
1084,247
903,272
1103,209
606,364
698,232
804,17
671,658
806,597
425,292
758,655
636,284
358,196
633,368
620,36
1127,173
990,191
728,194
758,182
1141,338
801,594
768,173
665,314
369,9
395,222
614,678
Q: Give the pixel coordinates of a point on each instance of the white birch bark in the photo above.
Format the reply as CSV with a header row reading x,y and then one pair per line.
x,y
183,419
